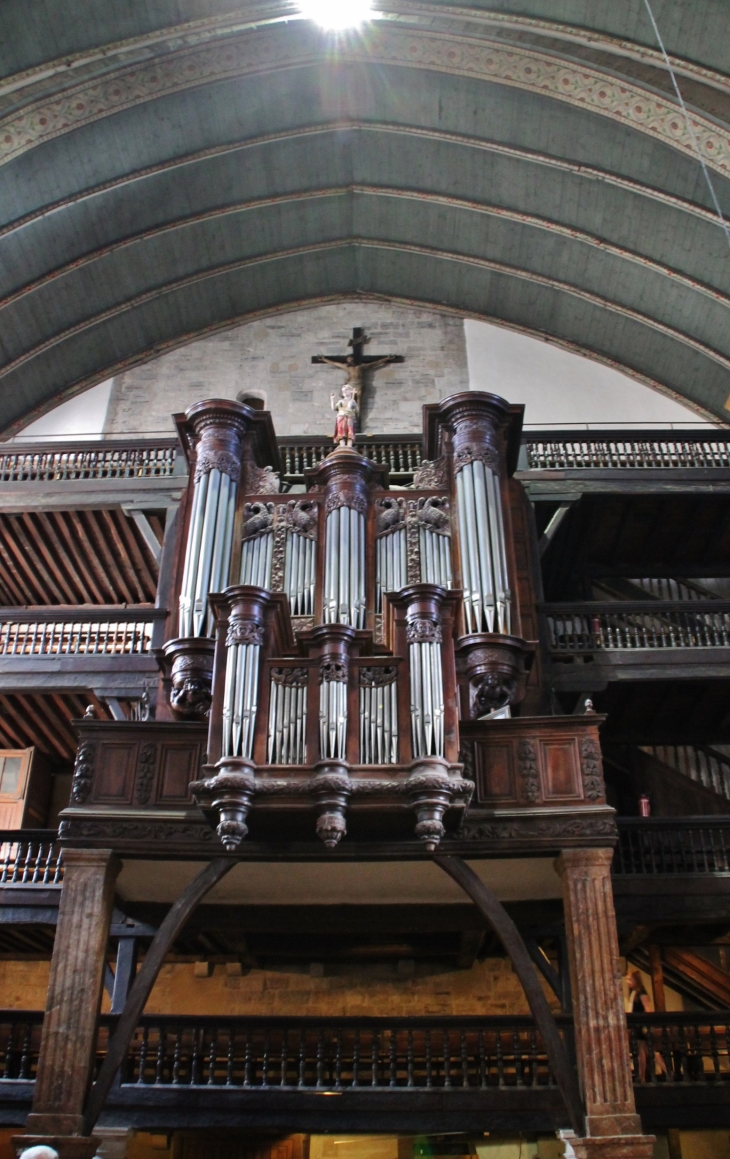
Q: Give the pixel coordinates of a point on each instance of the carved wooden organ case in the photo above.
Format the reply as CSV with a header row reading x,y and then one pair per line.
x,y
334,639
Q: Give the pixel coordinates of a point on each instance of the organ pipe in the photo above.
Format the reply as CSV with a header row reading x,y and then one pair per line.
x,y
288,717
485,581
240,695
378,716
208,554
344,582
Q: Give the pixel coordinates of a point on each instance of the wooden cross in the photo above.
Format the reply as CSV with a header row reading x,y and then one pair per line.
x,y
357,363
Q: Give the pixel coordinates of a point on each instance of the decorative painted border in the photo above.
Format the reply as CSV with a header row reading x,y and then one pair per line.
x,y
385,43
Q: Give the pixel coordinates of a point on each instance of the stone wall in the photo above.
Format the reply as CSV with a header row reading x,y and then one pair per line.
x,y
489,987
273,357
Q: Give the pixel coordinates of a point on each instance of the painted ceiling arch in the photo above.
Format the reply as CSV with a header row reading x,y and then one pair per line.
x,y
166,171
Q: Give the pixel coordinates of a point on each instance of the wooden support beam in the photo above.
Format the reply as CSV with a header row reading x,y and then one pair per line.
x,y
499,920
115,569
185,905
146,581
126,574
35,528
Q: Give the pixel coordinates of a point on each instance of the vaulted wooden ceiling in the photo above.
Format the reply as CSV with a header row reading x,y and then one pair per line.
x,y
167,169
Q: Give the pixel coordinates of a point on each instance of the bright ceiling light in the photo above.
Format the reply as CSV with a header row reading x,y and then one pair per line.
x,y
337,15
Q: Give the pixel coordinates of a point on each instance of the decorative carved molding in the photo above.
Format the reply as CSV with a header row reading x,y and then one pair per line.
x,y
333,671
213,460
302,624
577,84
378,630
466,758
244,632
528,771
531,828
470,454
423,631
291,677
492,691
83,774
433,514
432,474
301,516
258,518
349,499
591,769
260,480
413,545
278,553
390,514
377,675
146,772
152,831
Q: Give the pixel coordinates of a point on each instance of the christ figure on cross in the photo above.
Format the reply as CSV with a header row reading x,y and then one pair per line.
x,y
348,404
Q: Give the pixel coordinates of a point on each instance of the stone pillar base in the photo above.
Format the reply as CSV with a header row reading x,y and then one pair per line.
x,y
66,1146
607,1146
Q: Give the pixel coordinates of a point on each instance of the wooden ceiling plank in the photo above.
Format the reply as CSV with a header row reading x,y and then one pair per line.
x,y
17,595
53,593
67,528
13,738
75,575
132,580
92,556
116,578
24,727
56,729
140,555
32,592
101,710
35,528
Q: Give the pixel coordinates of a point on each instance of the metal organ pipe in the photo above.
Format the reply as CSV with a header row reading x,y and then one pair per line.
x,y
208,554
427,694
344,582
240,697
378,716
287,716
487,598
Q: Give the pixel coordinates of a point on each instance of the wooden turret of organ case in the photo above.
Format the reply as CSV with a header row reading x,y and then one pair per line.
x,y
353,657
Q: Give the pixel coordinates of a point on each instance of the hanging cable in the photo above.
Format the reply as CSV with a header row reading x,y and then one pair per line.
x,y
690,129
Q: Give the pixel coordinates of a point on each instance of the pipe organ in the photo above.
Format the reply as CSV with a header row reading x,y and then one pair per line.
x,y
334,639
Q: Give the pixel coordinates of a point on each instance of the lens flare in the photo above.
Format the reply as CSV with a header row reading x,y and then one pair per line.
x,y
337,15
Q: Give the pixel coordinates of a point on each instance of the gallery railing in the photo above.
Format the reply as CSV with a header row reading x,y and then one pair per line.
x,y
380,1055
576,628
622,450
337,1054
401,454
30,857
656,845
102,459
70,631
680,1048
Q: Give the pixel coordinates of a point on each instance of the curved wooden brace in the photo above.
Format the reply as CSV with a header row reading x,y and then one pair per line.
x,y
179,913
497,917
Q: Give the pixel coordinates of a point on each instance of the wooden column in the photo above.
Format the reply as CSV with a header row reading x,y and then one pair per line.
x,y
601,1040
68,1043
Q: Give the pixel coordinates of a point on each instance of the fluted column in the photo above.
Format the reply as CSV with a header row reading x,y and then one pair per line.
x,y
601,1040
68,1043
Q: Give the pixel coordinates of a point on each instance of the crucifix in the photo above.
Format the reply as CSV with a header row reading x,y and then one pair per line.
x,y
356,364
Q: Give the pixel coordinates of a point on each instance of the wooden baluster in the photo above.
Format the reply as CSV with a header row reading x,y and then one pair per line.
x,y
356,1058
8,1067
374,1051
302,1060
464,1060
231,1056
247,1059
320,1059
160,1068
534,1063
338,1060
409,1058
446,1038
24,1069
482,1059
265,1058
143,1055
195,1056
392,1058
212,1057
499,1056
176,1058
429,1074
519,1067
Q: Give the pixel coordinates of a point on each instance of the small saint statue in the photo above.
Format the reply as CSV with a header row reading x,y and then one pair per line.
x,y
348,412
